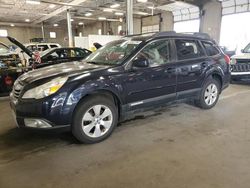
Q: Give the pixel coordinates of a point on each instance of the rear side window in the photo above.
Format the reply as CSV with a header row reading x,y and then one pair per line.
x,y
32,48
53,46
42,47
211,50
188,49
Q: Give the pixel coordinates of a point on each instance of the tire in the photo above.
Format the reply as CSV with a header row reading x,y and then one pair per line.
x,y
95,119
209,94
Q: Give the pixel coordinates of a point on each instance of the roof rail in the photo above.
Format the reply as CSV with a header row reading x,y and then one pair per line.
x,y
164,33
141,34
200,35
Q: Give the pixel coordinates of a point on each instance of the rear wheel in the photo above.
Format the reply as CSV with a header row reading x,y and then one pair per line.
x,y
209,94
95,119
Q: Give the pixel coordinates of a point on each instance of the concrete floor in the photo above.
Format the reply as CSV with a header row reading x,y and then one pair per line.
x,y
179,147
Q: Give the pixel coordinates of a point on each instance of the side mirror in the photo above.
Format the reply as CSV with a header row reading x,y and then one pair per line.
x,y
140,63
242,51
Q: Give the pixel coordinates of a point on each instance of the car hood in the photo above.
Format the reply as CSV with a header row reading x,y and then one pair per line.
x,y
241,56
63,69
23,48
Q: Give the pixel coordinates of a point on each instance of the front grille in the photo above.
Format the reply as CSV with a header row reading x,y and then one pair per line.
x,y
243,60
17,89
243,67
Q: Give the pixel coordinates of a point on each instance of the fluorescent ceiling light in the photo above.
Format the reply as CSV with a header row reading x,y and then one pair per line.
x,y
33,2
102,18
55,25
88,14
115,5
119,13
12,25
142,1
27,20
52,6
71,20
142,13
108,10
151,7
80,23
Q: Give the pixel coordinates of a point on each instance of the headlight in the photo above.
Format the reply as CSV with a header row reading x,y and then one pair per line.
x,y
46,89
233,61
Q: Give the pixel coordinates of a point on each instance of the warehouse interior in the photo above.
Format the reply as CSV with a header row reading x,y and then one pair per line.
x,y
178,145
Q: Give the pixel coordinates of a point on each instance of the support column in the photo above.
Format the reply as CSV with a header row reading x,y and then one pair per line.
x,y
69,29
210,21
129,19
43,33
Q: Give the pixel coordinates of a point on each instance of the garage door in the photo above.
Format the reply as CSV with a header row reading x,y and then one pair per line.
x,y
235,27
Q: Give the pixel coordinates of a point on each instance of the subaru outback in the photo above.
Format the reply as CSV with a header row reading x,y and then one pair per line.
x,y
122,78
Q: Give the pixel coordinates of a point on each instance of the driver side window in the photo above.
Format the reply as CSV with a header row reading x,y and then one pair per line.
x,y
156,53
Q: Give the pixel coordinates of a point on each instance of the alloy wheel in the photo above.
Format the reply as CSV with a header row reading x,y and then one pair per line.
x,y
211,94
97,120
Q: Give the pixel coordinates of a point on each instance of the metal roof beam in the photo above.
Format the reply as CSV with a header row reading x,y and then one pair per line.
x,y
59,11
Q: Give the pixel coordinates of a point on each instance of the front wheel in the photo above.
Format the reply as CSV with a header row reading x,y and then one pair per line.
x,y
95,119
209,94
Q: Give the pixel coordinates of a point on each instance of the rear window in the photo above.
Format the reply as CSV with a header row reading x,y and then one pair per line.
x,y
188,49
211,50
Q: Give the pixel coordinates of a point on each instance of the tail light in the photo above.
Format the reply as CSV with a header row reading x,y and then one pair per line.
x,y
227,59
8,81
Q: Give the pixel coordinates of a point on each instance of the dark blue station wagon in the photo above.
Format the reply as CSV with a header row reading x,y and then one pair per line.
x,y
126,76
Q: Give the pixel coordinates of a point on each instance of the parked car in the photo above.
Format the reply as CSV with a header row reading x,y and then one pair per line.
x,y
33,47
228,52
60,55
41,46
10,69
240,64
130,75
53,55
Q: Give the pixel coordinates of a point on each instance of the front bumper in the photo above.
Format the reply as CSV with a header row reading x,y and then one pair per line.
x,y
37,115
240,75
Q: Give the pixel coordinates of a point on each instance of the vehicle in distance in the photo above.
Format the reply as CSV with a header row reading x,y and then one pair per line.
x,y
126,76
60,55
52,56
240,65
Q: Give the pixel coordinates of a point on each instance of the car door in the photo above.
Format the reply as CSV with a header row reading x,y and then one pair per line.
x,y
191,64
154,84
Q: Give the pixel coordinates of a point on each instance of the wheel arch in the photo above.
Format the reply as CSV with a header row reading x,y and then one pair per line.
x,y
101,92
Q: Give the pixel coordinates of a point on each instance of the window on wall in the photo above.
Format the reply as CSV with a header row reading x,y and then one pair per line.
x,y
187,26
150,28
119,29
3,33
99,31
235,31
52,35
235,6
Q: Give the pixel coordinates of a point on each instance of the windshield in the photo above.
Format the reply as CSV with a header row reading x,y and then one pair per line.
x,y
3,49
247,49
113,53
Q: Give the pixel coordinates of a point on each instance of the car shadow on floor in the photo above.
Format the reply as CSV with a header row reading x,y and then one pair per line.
x,y
17,143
